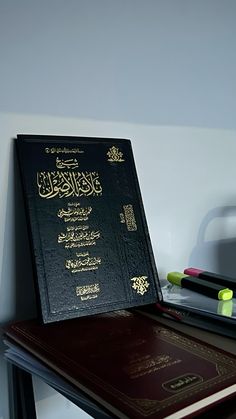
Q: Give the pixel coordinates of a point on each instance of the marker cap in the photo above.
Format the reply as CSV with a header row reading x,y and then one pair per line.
x,y
193,271
176,277
225,294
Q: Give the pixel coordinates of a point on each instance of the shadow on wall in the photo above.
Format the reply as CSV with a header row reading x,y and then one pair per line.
x,y
218,255
17,296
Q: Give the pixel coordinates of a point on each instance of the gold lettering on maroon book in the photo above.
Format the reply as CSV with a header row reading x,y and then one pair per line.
x,y
148,364
74,212
68,184
182,382
115,155
83,263
88,292
130,217
140,284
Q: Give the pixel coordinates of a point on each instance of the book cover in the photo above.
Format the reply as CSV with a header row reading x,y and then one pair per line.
x,y
89,237
132,365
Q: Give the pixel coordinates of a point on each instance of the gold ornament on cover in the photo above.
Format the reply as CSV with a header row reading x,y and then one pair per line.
x,y
140,284
115,155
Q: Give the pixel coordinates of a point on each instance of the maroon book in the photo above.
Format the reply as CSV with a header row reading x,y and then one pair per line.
x,y
131,364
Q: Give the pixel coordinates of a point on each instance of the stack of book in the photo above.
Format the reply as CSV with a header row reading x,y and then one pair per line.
x,y
94,268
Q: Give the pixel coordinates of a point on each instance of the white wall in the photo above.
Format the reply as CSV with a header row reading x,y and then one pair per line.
x,y
135,69
168,62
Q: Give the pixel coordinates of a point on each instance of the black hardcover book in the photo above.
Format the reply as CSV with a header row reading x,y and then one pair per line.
x,y
89,237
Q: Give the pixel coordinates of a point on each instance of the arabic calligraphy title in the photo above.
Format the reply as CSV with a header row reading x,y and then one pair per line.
x,y
68,184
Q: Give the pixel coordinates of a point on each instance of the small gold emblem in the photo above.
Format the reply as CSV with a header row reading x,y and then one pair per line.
x,y
140,284
115,155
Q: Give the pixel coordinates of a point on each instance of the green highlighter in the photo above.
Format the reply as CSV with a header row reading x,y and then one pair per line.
x,y
201,286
